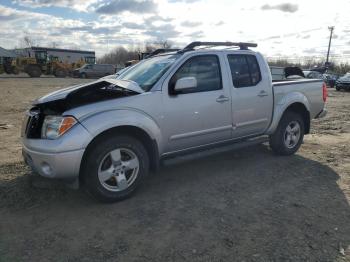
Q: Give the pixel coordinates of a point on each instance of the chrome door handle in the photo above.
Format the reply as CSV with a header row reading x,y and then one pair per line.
x,y
222,99
262,93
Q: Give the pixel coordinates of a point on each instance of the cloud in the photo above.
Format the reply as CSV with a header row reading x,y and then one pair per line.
x,y
196,34
6,15
306,37
184,1
79,5
10,14
100,30
286,7
133,6
219,23
132,25
158,18
190,24
272,37
162,32
310,50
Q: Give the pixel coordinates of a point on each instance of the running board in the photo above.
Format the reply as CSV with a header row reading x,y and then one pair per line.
x,y
210,150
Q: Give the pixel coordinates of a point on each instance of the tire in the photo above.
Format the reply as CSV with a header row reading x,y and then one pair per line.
x,y
33,71
15,70
337,88
60,73
108,179
83,75
279,140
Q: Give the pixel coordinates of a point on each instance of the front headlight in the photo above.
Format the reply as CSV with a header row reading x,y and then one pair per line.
x,y
55,126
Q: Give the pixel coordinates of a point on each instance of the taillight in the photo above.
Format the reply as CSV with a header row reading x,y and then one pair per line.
x,y
324,92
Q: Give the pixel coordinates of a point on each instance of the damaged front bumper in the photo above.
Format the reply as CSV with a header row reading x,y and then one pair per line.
x,y
60,158
64,165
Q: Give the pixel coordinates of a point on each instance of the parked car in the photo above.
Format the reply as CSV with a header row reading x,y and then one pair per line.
x,y
312,74
108,134
343,82
117,74
330,79
94,71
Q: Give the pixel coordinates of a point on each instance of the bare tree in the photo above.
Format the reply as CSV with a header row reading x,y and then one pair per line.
x,y
151,46
28,41
118,56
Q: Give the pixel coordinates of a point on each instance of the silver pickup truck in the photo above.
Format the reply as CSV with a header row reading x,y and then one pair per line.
x,y
109,133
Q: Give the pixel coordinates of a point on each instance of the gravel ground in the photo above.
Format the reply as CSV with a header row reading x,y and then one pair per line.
x,y
245,205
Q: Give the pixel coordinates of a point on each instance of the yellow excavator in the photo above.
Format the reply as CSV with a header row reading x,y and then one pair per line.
x,y
41,64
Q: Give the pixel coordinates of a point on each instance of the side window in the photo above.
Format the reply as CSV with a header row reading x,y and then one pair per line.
x,y
245,70
254,69
205,68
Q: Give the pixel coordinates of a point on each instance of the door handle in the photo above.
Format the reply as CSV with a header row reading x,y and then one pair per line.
x,y
222,99
262,93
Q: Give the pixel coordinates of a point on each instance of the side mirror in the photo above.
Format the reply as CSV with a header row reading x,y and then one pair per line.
x,y
185,83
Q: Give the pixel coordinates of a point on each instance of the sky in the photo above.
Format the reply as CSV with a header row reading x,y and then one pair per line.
x,y
290,29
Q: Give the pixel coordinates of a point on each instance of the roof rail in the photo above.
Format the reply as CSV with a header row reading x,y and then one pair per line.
x,y
241,45
157,52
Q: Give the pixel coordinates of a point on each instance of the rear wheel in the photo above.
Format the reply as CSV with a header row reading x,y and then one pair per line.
x,y
33,71
114,167
289,134
15,70
337,88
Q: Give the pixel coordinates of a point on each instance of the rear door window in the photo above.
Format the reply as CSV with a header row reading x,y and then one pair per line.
x,y
245,70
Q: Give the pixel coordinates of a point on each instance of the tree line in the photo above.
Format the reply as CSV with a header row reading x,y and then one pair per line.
x,y
120,55
336,68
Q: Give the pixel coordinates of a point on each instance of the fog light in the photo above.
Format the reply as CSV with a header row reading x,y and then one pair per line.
x,y
46,168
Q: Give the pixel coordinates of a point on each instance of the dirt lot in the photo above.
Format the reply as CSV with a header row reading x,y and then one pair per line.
x,y
247,205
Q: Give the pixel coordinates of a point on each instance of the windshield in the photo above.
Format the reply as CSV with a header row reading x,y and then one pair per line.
x,y
148,72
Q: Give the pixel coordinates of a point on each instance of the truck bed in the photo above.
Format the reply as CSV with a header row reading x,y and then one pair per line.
x,y
310,88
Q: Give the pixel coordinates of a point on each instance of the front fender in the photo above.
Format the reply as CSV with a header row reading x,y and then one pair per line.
x,y
103,121
282,102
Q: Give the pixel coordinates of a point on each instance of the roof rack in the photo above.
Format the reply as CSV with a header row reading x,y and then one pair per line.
x,y
241,45
157,52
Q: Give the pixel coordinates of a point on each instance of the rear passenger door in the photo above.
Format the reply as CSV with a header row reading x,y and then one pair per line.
x,y
252,98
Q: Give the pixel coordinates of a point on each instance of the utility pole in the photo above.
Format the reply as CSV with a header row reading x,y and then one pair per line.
x,y
331,28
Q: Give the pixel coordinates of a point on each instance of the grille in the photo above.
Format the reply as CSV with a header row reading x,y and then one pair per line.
x,y
32,128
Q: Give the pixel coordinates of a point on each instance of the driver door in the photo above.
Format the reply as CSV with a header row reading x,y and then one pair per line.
x,y
201,115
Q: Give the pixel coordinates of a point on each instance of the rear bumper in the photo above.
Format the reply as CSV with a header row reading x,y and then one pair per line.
x,y
63,165
323,113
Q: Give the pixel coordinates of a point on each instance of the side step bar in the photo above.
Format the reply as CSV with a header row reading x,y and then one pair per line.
x,y
210,150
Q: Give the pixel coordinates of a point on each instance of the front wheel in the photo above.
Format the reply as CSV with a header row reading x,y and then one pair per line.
x,y
114,167
337,88
289,134
33,70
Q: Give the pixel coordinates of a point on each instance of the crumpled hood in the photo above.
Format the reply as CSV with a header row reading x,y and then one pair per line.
x,y
63,93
